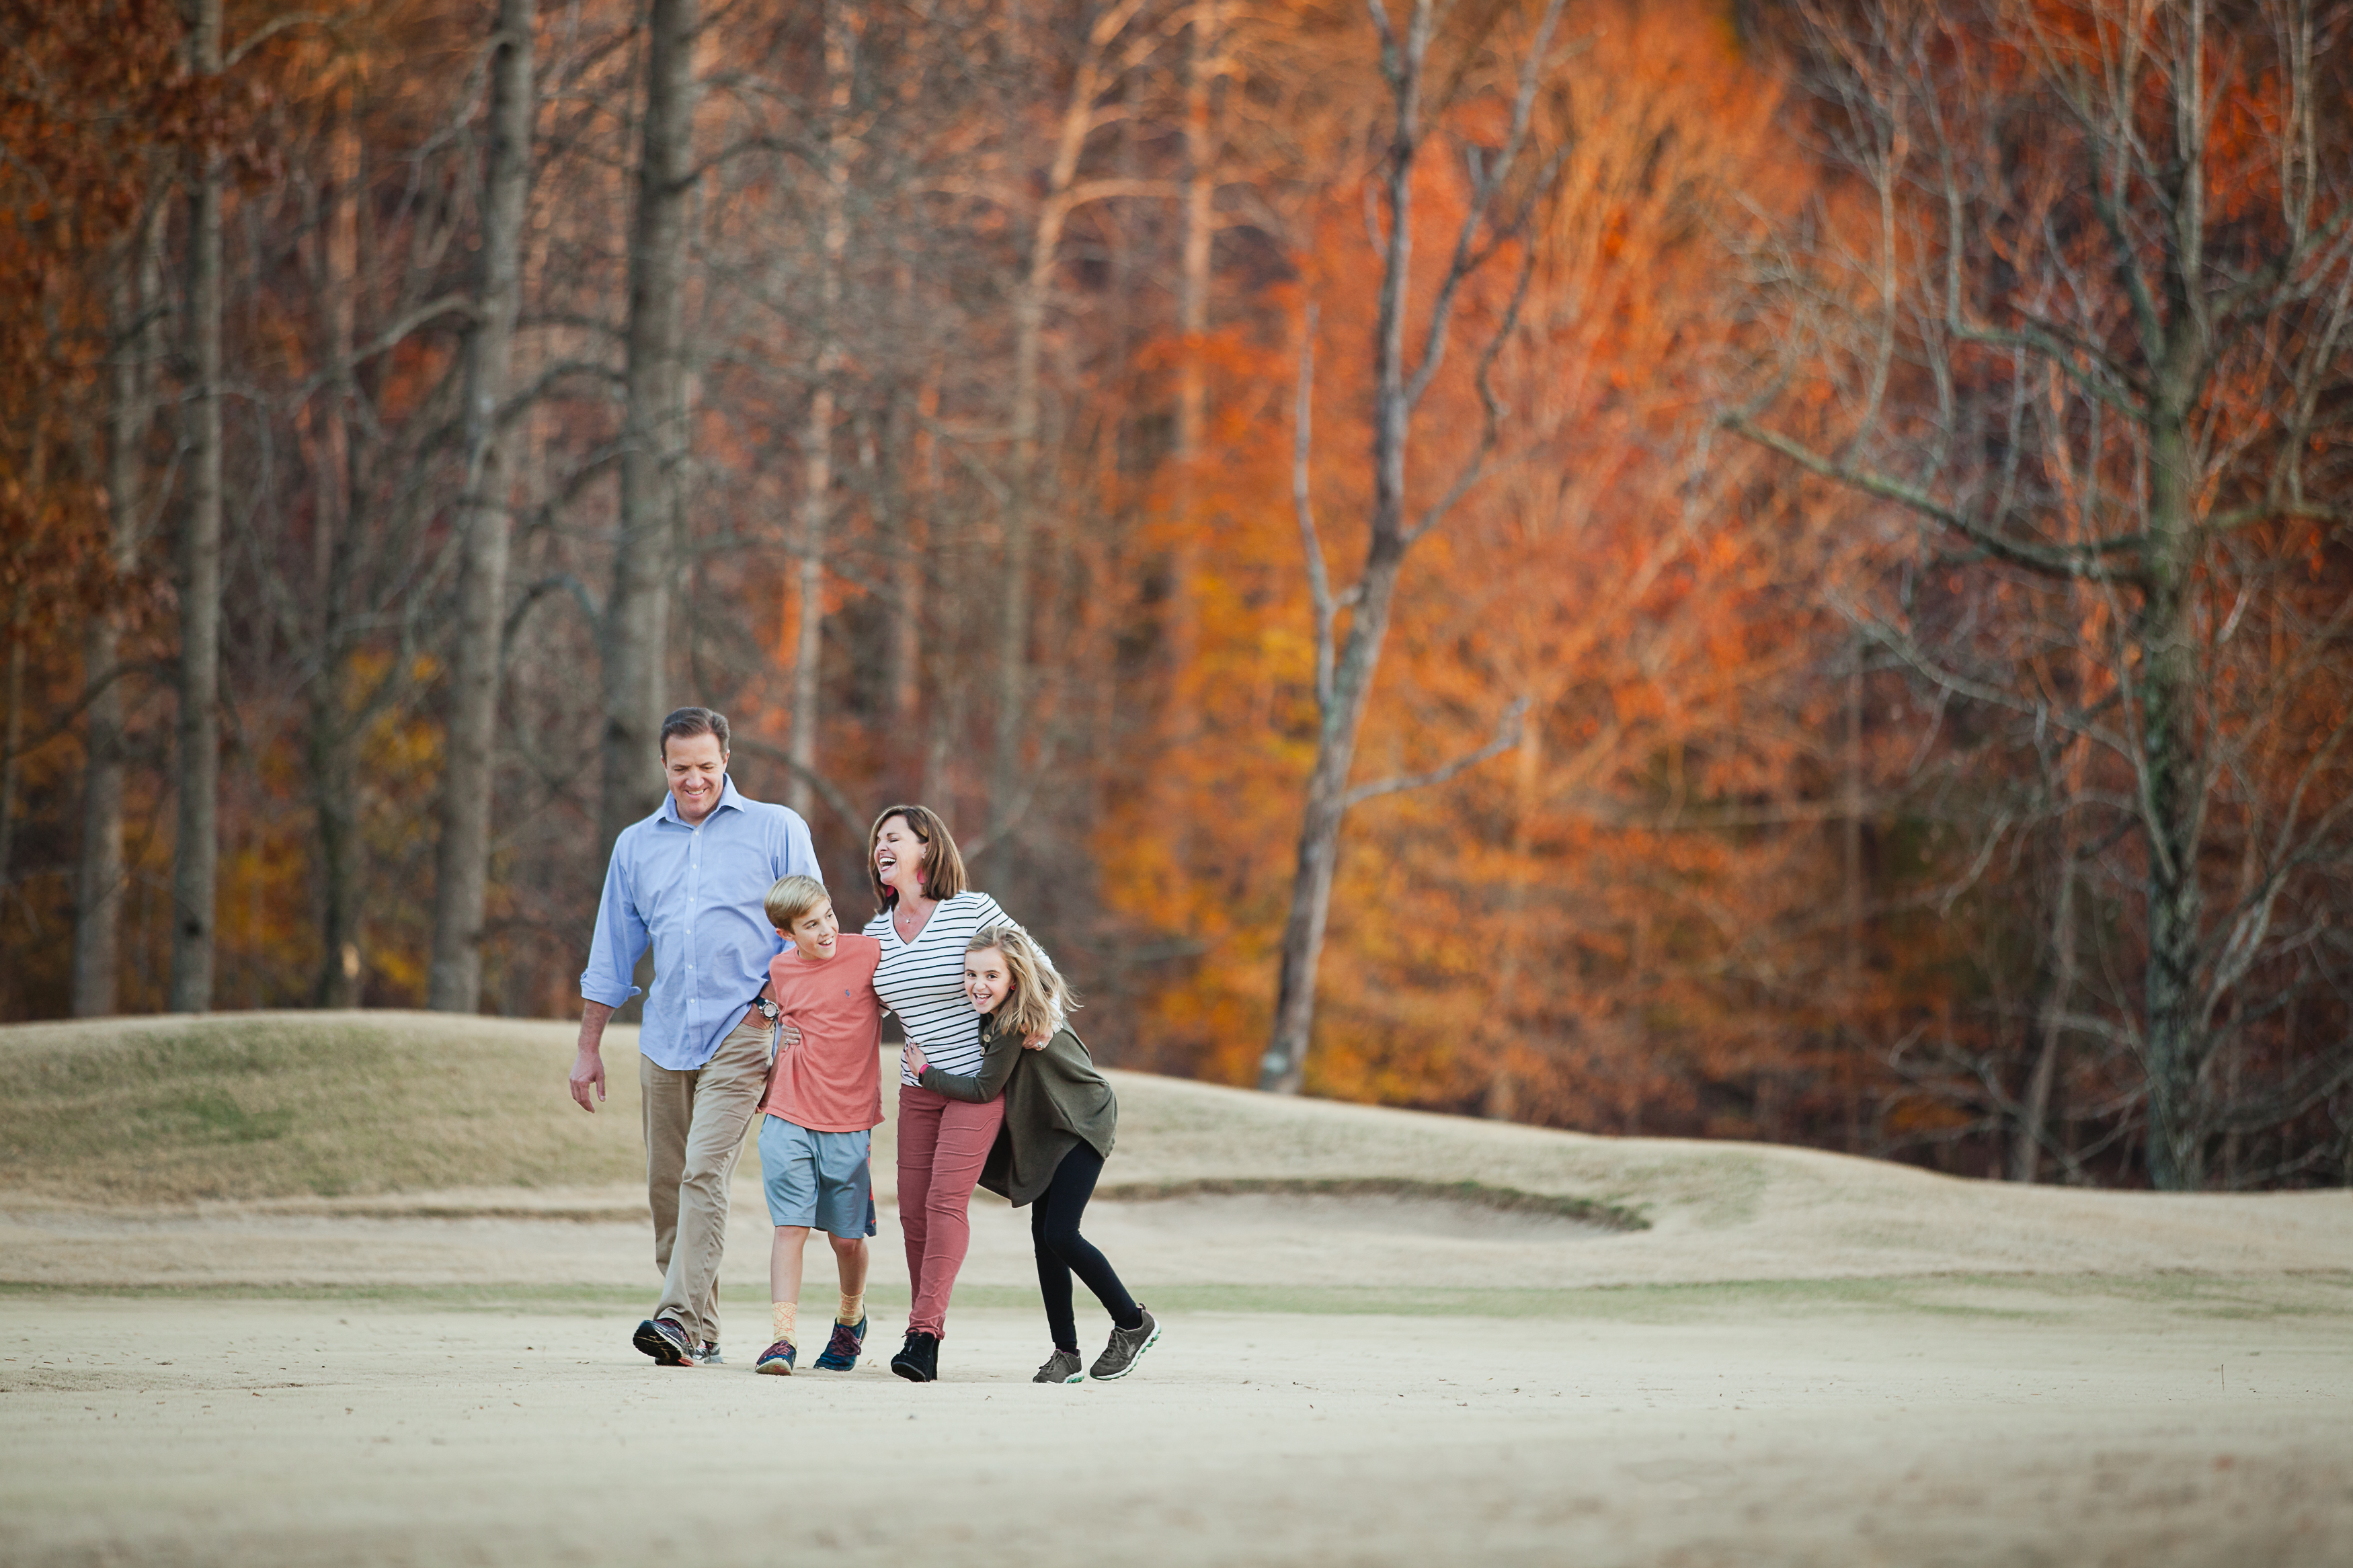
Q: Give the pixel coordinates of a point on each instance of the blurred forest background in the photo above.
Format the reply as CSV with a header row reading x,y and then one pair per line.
x,y
1746,568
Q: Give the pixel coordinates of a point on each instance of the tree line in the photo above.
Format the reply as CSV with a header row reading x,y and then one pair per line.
x,y
1764,568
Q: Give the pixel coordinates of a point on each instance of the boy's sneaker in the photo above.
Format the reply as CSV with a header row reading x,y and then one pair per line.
x,y
1062,1366
1126,1346
919,1362
707,1354
666,1342
776,1360
841,1352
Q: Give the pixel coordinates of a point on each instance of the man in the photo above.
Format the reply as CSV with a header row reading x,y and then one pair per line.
x,y
690,878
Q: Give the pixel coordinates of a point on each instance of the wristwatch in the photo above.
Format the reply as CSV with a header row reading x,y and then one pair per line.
x,y
768,1009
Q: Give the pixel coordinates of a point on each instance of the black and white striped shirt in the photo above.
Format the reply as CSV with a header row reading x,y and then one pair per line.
x,y
923,982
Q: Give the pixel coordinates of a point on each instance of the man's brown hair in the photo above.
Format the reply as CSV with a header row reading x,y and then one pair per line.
x,y
685,721
942,868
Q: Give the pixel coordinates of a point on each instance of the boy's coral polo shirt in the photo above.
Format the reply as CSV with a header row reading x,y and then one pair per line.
x,y
832,1081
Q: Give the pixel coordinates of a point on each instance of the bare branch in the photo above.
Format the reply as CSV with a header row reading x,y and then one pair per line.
x,y
1490,406
1506,736
2082,561
1465,259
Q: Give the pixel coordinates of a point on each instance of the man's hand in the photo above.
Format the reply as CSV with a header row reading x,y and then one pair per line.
x,y
589,1066
588,1071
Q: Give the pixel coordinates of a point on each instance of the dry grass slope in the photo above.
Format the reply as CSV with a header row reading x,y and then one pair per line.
x,y
172,1109
417,1114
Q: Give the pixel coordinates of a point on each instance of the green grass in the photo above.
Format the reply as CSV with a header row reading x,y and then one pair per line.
x,y
175,1110
1982,1298
1477,1194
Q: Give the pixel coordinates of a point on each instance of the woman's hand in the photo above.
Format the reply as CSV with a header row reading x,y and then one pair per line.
x,y
1038,1042
787,1036
915,1062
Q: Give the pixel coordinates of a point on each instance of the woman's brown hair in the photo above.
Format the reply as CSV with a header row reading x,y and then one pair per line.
x,y
942,868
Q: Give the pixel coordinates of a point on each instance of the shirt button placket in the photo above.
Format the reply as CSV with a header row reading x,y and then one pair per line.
x,y
693,905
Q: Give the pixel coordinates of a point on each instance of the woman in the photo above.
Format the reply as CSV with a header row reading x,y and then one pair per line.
x,y
928,915
1061,1117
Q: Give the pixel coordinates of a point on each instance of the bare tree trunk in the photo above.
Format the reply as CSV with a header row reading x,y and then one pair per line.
x,y
333,738
195,849
1028,347
1283,1069
99,875
915,524
14,737
1013,608
2175,1038
653,437
1501,1101
1851,899
2026,1152
461,869
1192,373
334,780
817,438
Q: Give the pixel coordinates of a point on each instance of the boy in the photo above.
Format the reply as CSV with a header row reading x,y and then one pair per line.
x,y
823,1103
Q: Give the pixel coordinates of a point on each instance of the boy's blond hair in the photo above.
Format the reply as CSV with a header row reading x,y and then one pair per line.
x,y
1038,999
791,899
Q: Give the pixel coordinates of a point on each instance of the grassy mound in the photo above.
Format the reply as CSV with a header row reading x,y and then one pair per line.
x,y
241,1107
413,1114
284,1105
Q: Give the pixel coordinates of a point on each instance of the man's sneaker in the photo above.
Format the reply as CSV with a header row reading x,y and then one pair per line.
x,y
707,1354
841,1352
1062,1366
662,1339
776,1360
1119,1357
920,1361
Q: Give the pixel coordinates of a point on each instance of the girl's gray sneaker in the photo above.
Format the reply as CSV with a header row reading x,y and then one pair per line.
x,y
1120,1356
1062,1366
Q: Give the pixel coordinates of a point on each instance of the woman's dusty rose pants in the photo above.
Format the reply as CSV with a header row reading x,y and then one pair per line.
x,y
943,1143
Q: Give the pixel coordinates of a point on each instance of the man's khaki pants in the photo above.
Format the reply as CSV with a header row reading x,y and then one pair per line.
x,y
695,1122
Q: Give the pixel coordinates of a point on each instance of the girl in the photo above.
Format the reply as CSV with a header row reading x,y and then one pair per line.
x,y
928,916
1059,1116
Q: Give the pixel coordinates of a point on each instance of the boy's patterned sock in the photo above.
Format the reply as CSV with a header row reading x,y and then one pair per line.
x,y
853,1309
785,1317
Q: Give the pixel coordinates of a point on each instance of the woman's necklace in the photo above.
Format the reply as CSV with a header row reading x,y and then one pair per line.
x,y
911,918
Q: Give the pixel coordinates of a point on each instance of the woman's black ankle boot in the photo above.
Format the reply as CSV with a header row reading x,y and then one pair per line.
x,y
919,1362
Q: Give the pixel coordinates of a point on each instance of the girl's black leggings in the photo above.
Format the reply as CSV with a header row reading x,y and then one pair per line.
x,y
1062,1251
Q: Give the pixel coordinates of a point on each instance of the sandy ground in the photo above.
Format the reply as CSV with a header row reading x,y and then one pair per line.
x,y
1804,1360
2047,1429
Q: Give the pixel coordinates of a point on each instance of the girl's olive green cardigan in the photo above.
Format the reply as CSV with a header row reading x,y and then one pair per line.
x,y
1054,1099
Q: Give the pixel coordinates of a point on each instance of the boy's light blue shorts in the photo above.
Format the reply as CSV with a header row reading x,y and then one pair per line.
x,y
822,1180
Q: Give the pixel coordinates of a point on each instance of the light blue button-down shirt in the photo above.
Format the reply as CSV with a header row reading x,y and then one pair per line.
x,y
695,893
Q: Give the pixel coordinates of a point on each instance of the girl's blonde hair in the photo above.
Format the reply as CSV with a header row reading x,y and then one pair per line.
x,y
1041,1000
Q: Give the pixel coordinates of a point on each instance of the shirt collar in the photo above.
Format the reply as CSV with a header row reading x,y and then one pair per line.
x,y
728,797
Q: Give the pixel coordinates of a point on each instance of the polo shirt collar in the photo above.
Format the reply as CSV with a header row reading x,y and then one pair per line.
x,y
728,798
